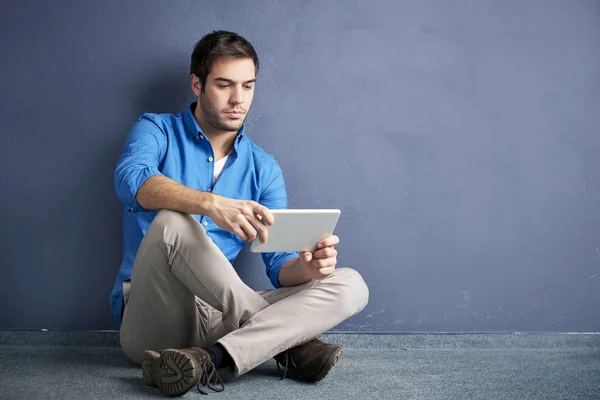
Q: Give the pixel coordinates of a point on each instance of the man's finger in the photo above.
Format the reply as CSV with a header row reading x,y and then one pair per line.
x,y
325,263
325,253
240,232
306,256
325,272
264,213
247,228
328,242
260,228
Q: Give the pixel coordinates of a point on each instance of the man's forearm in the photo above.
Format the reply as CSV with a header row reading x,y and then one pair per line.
x,y
160,192
292,273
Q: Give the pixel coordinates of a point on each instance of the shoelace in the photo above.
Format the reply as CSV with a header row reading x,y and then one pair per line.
x,y
210,377
288,360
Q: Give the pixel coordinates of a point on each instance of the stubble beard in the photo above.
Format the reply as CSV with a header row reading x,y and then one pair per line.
x,y
213,118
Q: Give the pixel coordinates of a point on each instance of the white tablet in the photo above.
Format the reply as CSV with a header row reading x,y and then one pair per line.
x,y
297,230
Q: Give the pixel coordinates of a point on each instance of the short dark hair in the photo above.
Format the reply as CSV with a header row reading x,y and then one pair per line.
x,y
219,44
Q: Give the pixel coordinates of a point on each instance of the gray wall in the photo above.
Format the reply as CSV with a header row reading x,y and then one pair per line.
x,y
459,138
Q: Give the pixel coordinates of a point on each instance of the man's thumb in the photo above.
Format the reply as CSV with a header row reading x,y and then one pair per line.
x,y
307,256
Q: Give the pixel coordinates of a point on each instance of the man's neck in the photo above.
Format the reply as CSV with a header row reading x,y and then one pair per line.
x,y
221,141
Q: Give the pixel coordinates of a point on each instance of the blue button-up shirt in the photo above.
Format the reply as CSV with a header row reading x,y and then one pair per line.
x,y
174,146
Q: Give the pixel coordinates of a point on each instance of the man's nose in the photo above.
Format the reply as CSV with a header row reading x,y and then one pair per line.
x,y
237,95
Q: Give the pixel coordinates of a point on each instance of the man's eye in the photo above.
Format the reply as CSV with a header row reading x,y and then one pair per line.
x,y
249,87
223,86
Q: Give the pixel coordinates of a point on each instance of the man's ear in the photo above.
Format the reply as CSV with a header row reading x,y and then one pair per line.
x,y
195,84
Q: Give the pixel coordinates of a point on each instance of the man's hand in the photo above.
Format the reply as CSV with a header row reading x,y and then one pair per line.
x,y
245,218
321,263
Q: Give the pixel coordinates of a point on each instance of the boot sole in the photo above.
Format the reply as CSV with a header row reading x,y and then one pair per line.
x,y
151,368
178,373
328,366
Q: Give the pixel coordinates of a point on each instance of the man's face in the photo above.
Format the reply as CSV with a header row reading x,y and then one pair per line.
x,y
227,96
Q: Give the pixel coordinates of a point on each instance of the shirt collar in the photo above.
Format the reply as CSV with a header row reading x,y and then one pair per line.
x,y
194,129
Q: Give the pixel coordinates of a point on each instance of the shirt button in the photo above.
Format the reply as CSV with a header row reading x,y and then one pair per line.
x,y
205,223
201,137
210,190
210,159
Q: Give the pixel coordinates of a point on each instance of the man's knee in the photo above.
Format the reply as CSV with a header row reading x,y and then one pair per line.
x,y
173,227
171,219
353,293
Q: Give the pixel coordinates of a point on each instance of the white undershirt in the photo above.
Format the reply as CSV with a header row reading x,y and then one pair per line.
x,y
219,168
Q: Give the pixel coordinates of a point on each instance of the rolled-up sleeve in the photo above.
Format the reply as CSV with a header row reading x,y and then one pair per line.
x,y
274,196
140,157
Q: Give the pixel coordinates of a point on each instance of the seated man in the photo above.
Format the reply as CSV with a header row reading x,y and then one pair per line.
x,y
194,188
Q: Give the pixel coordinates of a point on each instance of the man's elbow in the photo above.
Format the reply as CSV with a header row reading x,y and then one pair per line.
x,y
142,196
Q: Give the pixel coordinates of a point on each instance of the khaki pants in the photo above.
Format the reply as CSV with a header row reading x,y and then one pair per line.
x,y
185,293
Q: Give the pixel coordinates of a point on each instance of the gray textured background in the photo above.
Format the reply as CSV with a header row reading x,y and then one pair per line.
x,y
459,138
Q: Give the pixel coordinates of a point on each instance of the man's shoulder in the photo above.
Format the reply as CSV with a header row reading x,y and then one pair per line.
x,y
259,154
164,121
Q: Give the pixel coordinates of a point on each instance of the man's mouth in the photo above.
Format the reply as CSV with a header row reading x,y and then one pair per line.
x,y
235,114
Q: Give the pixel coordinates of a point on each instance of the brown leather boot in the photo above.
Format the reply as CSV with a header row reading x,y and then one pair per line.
x,y
310,361
176,371
151,368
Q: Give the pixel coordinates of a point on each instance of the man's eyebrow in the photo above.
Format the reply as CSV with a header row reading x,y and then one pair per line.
x,y
221,79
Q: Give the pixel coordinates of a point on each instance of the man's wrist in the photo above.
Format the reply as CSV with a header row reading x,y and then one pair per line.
x,y
302,268
293,272
208,204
